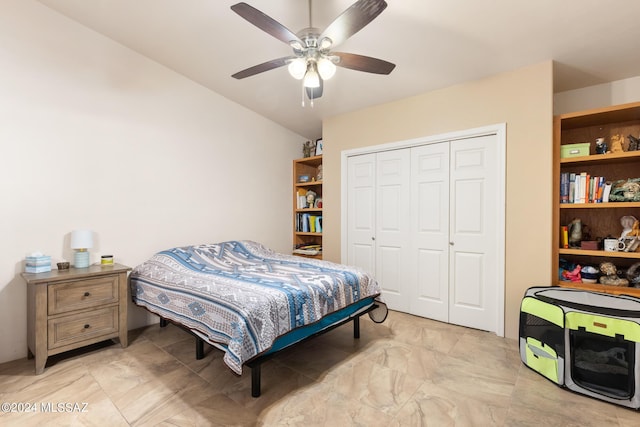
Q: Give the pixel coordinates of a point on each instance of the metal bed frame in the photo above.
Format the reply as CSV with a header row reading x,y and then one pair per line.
x,y
256,362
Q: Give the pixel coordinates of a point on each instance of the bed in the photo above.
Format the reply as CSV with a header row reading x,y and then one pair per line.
x,y
250,301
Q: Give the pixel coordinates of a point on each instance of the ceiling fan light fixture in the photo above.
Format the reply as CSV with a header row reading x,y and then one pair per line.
x,y
326,68
325,43
311,78
296,45
298,68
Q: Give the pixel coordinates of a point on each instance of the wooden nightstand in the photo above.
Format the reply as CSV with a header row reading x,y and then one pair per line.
x,y
73,308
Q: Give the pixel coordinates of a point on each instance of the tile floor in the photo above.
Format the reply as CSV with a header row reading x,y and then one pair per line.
x,y
408,371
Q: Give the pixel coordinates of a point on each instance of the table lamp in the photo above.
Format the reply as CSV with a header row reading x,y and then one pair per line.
x,y
81,241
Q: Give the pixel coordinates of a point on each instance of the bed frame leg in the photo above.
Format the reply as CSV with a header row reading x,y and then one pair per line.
x,y
163,322
356,327
255,380
199,348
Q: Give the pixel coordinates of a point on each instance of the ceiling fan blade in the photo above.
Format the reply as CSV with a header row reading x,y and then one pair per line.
x,y
363,63
265,23
315,92
261,68
353,20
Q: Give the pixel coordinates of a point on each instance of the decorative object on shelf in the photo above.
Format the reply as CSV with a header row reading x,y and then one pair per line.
x,y
575,233
303,178
610,275
307,148
628,222
319,173
311,197
574,150
633,275
589,245
319,147
64,265
610,245
318,203
589,274
572,275
630,238
616,143
601,146
628,244
625,190
81,241
634,143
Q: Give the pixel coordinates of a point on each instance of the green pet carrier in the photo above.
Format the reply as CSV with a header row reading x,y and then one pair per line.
x,y
585,341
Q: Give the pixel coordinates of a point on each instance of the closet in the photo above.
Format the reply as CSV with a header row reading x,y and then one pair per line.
x,y
427,218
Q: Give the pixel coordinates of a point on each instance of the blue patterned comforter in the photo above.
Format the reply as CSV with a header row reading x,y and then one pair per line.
x,y
243,295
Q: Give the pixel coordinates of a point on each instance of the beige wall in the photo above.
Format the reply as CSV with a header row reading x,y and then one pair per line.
x,y
598,96
523,99
94,135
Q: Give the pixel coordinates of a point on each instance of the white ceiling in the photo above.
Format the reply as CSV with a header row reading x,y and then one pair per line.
x,y
434,44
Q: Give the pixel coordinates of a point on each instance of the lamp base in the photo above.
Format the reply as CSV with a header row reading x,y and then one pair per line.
x,y
81,259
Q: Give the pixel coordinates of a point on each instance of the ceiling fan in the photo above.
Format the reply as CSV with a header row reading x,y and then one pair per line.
x,y
313,61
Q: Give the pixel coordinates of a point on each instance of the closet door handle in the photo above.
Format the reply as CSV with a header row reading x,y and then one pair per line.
x,y
451,243
373,238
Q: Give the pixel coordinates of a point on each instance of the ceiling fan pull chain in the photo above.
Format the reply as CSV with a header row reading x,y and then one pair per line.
x,y
302,95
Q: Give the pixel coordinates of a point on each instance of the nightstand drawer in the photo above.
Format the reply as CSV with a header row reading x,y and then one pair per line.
x,y
77,295
76,328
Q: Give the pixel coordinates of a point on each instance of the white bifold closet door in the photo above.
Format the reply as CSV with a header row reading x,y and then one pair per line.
x,y
378,221
423,220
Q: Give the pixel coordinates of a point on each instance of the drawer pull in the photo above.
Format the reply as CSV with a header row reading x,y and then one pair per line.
x,y
86,294
87,326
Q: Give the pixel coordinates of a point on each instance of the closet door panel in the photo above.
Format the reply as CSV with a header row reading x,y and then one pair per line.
x,y
361,212
392,226
473,228
429,241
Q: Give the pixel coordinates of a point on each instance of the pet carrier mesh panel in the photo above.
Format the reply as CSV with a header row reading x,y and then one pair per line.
x,y
585,341
542,338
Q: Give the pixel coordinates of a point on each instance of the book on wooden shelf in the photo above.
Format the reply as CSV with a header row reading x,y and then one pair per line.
x,y
308,223
565,237
583,188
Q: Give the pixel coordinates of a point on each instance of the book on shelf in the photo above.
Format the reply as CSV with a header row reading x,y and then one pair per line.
x,y
308,223
606,191
302,199
583,188
564,188
565,237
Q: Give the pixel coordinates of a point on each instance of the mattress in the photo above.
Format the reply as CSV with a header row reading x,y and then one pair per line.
x,y
243,296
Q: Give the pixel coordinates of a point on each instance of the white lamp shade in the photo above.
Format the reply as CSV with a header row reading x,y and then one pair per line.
x,y
297,68
326,68
311,79
81,239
